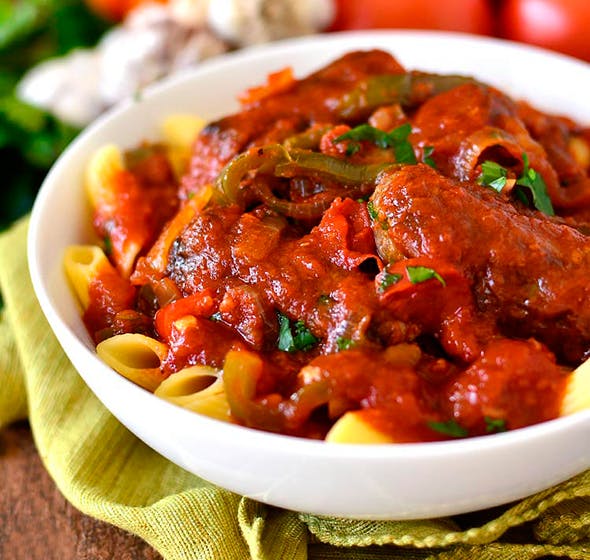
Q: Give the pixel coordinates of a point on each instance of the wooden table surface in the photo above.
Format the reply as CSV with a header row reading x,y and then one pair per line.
x,y
37,523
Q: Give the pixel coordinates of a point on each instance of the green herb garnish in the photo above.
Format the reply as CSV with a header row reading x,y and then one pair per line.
x,y
352,148
389,279
216,317
427,152
533,181
108,245
417,274
365,132
495,425
530,181
404,152
285,342
294,337
493,175
344,343
303,338
449,428
396,139
372,210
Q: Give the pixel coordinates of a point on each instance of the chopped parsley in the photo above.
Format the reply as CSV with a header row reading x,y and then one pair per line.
x,y
427,152
324,299
108,245
529,183
365,132
403,150
417,274
344,343
294,337
216,317
449,428
533,181
495,425
493,175
389,279
352,148
396,139
372,210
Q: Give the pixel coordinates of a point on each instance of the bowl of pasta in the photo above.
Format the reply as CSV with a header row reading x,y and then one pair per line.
x,y
345,275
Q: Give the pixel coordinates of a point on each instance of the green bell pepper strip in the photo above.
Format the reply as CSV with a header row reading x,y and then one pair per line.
x,y
281,162
241,373
409,90
308,139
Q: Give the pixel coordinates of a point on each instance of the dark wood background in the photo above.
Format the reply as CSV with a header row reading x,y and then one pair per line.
x,y
37,523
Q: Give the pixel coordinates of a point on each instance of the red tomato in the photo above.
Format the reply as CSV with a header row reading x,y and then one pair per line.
x,y
561,25
116,10
471,16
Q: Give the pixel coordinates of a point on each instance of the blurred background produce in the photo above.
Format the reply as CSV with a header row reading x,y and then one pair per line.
x,y
30,139
63,62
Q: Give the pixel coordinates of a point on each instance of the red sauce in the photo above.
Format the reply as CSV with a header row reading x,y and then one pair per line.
x,y
112,299
434,305
144,199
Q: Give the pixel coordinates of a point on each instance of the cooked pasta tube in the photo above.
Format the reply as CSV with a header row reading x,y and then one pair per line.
x,y
577,391
136,357
101,171
351,427
181,129
121,214
179,133
108,187
83,263
198,388
580,149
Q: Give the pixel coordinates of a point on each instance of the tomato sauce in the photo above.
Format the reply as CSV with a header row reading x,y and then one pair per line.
x,y
142,199
340,266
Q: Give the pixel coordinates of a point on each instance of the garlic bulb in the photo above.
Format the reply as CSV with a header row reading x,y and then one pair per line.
x,y
248,22
156,40
191,13
149,45
66,87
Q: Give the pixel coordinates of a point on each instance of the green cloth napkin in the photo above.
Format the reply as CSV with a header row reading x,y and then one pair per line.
x,y
106,472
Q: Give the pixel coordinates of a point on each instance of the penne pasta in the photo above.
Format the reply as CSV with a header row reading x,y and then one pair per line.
x,y
179,133
135,356
83,263
104,178
198,388
180,130
577,391
580,149
133,196
101,172
352,428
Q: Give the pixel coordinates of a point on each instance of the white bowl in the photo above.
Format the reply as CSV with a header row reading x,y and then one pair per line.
x,y
371,481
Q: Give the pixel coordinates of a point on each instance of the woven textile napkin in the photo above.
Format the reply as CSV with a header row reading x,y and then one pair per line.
x,y
108,473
